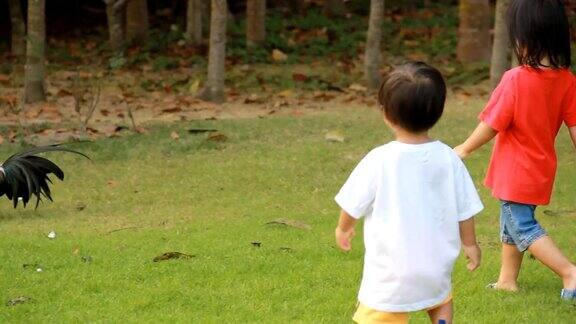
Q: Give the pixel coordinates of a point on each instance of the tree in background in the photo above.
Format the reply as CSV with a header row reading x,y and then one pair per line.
x,y
255,22
474,31
501,49
18,35
373,55
115,12
193,32
137,22
35,48
214,88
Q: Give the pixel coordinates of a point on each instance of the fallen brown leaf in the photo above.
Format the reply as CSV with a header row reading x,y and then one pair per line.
x,y
290,223
171,110
172,255
4,79
217,137
63,93
299,77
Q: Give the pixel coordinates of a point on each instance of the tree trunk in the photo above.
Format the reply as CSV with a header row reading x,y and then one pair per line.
x,y
18,28
137,22
501,49
115,10
333,8
373,55
194,22
474,31
35,48
214,88
255,22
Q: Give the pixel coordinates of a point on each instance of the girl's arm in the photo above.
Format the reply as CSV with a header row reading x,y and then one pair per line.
x,y
573,135
345,231
481,135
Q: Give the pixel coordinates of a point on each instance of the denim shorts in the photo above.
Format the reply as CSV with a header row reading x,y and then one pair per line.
x,y
518,225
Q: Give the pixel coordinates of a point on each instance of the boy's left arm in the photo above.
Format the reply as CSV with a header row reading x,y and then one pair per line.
x,y
345,231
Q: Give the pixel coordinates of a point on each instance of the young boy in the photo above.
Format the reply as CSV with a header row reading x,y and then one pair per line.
x,y
418,201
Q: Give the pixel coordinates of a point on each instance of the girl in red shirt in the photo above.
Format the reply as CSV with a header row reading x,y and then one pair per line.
x,y
525,113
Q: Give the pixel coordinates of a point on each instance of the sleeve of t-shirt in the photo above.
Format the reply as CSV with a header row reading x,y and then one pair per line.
x,y
467,199
499,112
570,106
356,196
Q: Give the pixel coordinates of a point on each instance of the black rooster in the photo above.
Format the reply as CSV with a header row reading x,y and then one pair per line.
x,y
24,174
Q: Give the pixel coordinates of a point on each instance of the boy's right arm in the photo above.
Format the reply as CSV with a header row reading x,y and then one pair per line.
x,y
481,135
345,231
469,244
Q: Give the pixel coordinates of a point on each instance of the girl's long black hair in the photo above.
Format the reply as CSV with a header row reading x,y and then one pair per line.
x,y
539,29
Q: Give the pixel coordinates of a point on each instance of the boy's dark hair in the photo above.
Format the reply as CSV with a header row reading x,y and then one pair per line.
x,y
539,29
413,96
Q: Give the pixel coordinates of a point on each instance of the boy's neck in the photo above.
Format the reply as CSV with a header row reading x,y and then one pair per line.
x,y
406,137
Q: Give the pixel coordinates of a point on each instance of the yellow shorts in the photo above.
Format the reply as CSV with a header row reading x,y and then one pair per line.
x,y
367,315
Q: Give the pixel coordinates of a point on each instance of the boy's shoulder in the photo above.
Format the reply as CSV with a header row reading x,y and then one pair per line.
x,y
394,146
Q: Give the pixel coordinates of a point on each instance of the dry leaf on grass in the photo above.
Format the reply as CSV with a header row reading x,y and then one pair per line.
x,y
334,137
557,213
18,300
174,135
80,206
290,223
201,130
172,255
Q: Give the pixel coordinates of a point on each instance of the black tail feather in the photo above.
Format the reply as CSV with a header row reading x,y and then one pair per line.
x,y
26,175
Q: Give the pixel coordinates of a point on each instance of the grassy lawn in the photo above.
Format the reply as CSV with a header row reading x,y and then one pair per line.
x,y
149,194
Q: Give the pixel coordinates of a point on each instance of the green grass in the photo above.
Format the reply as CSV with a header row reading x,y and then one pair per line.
x,y
212,200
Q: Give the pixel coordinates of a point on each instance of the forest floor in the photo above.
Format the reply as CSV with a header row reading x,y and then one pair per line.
x,y
132,100
253,211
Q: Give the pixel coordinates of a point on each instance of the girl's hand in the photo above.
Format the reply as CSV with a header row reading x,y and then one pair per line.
x,y
461,151
344,238
474,255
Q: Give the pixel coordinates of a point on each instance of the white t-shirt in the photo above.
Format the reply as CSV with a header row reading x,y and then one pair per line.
x,y
413,196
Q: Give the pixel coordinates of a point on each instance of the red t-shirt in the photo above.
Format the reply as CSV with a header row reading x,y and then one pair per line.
x,y
527,109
